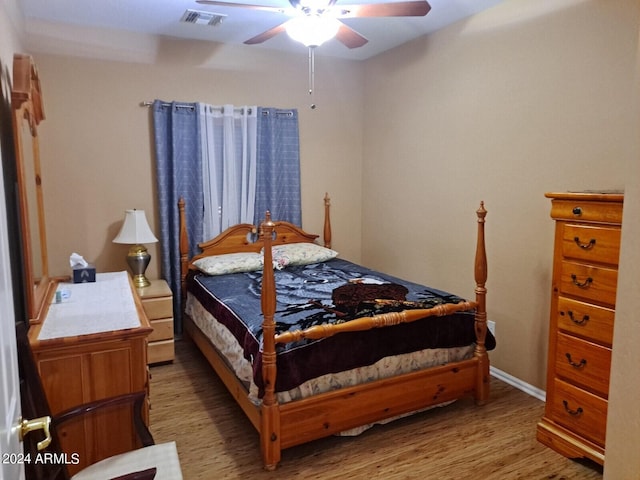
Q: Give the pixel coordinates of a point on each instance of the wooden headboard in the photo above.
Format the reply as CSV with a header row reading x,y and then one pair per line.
x,y
245,237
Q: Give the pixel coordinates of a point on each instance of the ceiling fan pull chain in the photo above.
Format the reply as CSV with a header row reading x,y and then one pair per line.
x,y
312,73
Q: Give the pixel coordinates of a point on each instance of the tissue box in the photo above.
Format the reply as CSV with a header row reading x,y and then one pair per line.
x,y
84,274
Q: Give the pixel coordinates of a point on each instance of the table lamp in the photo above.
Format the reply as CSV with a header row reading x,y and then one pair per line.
x,y
135,231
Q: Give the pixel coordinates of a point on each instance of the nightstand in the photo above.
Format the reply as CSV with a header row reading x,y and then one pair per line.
x,y
157,302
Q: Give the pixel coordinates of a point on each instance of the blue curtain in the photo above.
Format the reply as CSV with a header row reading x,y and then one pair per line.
x,y
278,166
179,174
177,138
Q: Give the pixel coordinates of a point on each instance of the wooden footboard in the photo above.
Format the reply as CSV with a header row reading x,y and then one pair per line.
x,y
297,422
339,410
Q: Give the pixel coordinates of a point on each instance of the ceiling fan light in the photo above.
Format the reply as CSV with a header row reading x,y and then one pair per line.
x,y
312,30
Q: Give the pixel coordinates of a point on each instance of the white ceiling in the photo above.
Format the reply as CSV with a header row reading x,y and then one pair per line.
x,y
162,17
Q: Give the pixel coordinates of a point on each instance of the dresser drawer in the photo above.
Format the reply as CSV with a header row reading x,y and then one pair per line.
x,y
163,351
583,363
586,320
161,307
582,412
587,211
591,243
589,282
162,330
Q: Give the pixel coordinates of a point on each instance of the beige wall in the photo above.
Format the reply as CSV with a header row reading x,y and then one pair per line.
x,y
525,98
96,140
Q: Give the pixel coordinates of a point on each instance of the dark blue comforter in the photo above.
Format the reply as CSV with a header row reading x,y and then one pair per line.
x,y
304,299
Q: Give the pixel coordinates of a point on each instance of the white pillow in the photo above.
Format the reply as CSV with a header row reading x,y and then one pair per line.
x,y
230,263
301,254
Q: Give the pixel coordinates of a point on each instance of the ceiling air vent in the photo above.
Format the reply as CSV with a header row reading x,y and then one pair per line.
x,y
202,18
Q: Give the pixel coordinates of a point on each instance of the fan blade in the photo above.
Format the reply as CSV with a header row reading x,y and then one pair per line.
x,y
264,36
349,37
417,8
243,5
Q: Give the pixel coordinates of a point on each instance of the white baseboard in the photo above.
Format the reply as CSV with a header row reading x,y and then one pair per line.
x,y
519,384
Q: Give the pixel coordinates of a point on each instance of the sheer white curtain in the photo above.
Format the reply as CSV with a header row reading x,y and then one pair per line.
x,y
228,146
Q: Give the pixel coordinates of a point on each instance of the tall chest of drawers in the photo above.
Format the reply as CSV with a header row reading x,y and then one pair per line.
x,y
585,276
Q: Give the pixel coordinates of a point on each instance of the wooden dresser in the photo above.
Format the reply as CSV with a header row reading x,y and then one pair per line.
x,y
585,275
80,360
157,301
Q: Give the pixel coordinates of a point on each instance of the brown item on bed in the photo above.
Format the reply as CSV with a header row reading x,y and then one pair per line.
x,y
350,296
285,425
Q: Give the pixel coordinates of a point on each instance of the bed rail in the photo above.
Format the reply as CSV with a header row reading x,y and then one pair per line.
x,y
376,321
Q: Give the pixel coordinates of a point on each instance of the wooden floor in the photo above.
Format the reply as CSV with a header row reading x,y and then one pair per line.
x,y
215,440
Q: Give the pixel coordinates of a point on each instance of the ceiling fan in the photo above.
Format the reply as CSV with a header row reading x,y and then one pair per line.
x,y
315,21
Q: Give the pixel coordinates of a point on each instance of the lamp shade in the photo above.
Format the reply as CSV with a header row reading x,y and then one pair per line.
x,y
135,229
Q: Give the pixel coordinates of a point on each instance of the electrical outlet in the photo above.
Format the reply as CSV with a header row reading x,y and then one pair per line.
x,y
491,325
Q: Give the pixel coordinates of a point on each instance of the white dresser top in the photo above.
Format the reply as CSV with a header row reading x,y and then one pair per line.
x,y
85,308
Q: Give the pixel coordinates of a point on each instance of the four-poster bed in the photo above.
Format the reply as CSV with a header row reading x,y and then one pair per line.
x,y
284,419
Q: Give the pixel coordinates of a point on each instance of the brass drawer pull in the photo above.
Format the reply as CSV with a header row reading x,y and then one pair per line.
x,y
584,284
573,413
581,364
585,318
585,246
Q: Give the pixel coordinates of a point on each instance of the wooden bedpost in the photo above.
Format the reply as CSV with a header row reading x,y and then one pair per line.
x,y
184,250
482,382
270,413
327,221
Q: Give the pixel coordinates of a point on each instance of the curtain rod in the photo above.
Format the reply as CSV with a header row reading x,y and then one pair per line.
x,y
147,103
177,105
